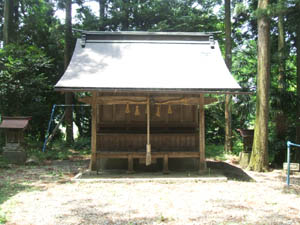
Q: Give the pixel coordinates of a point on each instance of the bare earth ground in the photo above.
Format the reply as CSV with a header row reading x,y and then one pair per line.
x,y
47,195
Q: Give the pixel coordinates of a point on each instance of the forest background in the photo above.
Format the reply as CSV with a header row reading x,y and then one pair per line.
x,y
36,46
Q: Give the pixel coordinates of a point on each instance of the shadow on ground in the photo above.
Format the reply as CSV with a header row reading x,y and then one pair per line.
x,y
106,215
215,170
230,171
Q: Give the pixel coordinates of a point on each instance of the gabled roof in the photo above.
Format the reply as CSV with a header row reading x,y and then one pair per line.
x,y
15,122
147,61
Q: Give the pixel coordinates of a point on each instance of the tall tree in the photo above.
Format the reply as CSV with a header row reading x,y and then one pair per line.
x,y
8,28
280,116
259,158
102,6
228,60
68,55
298,80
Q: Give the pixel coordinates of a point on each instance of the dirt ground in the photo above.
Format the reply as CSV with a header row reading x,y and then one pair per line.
x,y
47,195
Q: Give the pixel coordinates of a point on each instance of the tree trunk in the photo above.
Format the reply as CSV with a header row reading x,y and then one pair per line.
x,y
228,60
259,157
102,4
280,117
8,28
125,23
298,85
67,58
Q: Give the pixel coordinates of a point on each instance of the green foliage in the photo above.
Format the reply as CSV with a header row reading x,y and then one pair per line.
x,y
3,162
59,149
215,152
24,84
83,145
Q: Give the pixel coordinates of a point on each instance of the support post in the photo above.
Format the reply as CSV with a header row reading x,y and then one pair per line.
x,y
202,162
166,164
93,162
148,147
288,162
130,164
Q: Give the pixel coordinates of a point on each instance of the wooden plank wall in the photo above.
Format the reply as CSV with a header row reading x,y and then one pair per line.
x,y
114,117
136,142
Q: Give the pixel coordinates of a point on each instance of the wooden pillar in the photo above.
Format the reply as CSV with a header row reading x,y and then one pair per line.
x,y
166,164
130,164
93,162
148,147
202,162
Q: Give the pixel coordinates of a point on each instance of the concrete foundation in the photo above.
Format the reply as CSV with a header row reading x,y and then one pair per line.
x,y
244,159
14,153
122,164
15,157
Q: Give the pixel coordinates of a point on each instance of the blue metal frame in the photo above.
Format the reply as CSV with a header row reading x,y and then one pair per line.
x,y
51,119
49,126
289,144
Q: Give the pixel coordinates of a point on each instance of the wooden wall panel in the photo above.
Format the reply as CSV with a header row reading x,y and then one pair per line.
x,y
120,114
114,116
106,113
175,116
137,142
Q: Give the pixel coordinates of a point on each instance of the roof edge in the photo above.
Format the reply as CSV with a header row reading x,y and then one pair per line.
x,y
138,33
156,91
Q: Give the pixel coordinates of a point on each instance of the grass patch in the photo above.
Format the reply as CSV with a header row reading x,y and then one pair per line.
x,y
215,152
3,162
8,190
3,218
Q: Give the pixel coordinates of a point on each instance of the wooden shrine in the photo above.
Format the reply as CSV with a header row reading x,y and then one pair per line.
x,y
147,92
14,128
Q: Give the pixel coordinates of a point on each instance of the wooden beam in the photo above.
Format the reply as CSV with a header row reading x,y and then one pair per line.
x,y
130,164
202,162
135,100
166,164
93,162
86,100
141,155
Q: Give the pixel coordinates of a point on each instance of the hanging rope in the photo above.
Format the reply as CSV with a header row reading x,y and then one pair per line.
x,y
127,109
169,109
137,111
158,111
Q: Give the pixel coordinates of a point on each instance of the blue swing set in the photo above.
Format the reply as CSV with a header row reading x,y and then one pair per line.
x,y
49,137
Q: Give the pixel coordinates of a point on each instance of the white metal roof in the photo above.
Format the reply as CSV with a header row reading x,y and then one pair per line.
x,y
147,65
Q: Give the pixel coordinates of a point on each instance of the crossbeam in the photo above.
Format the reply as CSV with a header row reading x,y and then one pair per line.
x,y
136,100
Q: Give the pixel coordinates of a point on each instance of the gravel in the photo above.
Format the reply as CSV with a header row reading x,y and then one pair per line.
x,y
58,200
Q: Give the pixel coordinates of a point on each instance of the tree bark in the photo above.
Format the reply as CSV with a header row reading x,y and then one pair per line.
x,y
228,60
298,84
8,28
280,117
259,157
67,58
102,4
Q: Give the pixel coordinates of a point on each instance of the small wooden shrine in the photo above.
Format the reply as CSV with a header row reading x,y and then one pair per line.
x,y
13,128
147,91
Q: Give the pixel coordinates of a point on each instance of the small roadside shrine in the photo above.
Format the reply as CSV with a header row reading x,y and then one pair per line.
x,y
14,128
147,93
